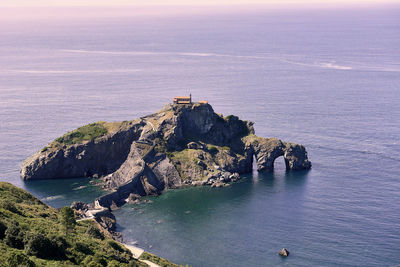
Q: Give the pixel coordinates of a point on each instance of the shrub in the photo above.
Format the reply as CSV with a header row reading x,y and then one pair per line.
x,y
94,232
8,205
115,245
212,149
38,245
94,261
44,247
14,237
84,248
113,263
3,228
17,258
59,245
99,258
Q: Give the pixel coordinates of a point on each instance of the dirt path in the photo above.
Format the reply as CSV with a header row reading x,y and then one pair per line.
x,y
137,252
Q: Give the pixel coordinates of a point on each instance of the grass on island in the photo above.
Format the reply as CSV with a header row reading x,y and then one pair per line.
x,y
33,234
88,133
84,133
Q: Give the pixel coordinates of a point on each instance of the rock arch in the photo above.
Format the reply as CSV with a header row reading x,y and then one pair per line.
x,y
266,150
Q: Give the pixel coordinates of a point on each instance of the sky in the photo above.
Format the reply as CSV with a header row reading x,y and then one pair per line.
x,y
38,3
16,10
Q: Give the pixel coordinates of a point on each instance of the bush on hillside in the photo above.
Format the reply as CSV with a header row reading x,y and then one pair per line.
x,y
59,245
8,205
38,245
3,228
14,236
212,149
17,258
115,245
44,247
94,232
84,248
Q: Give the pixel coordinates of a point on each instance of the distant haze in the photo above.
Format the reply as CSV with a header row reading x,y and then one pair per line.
x,y
14,10
21,3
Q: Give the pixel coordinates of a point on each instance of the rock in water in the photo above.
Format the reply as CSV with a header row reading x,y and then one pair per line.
x,y
284,252
177,146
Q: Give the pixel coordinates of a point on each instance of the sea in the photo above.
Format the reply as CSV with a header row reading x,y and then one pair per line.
x,y
327,78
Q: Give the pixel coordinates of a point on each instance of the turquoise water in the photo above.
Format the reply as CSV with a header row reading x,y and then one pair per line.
x,y
328,79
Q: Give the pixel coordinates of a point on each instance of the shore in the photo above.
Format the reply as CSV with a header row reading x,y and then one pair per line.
x,y
137,252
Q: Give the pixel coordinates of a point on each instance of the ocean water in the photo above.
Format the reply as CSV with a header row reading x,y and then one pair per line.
x,y
328,79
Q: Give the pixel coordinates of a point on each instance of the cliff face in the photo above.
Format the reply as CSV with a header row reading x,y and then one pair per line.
x,y
179,145
97,157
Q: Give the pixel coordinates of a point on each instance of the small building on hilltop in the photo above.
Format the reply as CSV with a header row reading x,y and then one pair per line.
x,y
183,99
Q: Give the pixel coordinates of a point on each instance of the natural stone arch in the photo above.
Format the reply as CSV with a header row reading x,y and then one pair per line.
x,y
277,162
267,150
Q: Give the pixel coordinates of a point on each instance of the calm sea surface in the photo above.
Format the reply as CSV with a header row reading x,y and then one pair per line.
x,y
327,79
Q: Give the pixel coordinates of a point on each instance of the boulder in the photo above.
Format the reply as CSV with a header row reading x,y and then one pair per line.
x,y
284,252
79,205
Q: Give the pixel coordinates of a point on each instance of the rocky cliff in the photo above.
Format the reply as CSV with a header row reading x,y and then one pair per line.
x,y
178,146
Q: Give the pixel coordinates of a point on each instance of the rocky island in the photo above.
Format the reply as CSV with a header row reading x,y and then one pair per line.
x,y
183,144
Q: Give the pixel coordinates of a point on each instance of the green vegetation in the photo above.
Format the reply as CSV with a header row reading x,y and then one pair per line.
x,y
89,132
95,232
160,261
84,133
212,149
33,234
185,162
253,139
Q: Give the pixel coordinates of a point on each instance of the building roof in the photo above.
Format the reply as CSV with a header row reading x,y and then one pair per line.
x,y
182,97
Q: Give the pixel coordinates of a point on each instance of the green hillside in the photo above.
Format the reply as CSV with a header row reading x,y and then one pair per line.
x,y
34,234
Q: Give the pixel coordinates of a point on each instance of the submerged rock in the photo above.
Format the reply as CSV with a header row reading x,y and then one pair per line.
x,y
182,145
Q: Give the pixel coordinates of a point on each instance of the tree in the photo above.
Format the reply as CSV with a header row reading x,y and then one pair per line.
x,y
67,219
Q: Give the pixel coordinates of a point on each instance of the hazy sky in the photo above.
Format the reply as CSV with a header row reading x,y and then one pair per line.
x,y
33,3
11,10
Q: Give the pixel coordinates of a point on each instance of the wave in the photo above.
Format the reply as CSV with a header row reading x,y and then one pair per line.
x,y
325,65
79,187
72,71
140,53
286,58
334,66
49,198
198,54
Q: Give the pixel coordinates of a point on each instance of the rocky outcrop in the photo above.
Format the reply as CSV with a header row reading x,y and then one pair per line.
x,y
97,157
284,252
266,150
181,145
